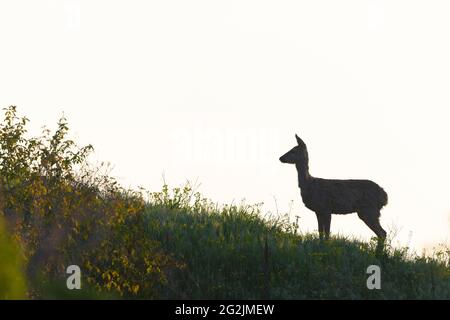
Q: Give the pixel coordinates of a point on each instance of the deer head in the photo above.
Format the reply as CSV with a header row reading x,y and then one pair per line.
x,y
297,154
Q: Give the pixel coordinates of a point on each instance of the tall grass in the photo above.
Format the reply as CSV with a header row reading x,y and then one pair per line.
x,y
231,252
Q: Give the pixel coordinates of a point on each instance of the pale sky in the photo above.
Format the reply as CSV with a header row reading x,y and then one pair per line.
x,y
216,90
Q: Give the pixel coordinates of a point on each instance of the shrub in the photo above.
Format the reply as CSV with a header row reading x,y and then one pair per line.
x,y
65,211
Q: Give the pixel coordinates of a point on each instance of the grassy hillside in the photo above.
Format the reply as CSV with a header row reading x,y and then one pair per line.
x,y
59,210
232,253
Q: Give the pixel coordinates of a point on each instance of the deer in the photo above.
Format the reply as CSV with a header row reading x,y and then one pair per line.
x,y
331,196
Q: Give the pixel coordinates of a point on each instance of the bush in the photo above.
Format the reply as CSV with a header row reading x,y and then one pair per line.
x,y
64,211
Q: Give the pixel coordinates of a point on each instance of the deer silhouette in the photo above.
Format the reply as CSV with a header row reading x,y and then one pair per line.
x,y
326,196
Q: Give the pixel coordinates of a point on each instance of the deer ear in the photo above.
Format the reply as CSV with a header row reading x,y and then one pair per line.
x,y
299,141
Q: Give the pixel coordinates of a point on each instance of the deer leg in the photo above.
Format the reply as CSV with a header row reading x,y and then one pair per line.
x,y
327,225
371,218
324,221
320,224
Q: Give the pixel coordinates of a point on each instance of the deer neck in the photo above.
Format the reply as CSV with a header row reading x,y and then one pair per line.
x,y
303,175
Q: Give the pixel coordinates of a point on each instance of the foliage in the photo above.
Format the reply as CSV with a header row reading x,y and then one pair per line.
x,y
64,212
